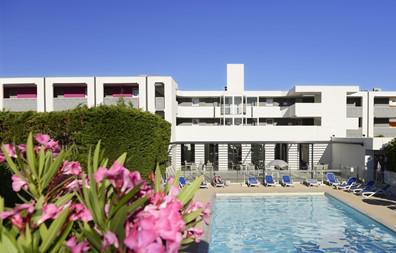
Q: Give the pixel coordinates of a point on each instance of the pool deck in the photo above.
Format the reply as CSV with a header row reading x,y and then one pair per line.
x,y
380,209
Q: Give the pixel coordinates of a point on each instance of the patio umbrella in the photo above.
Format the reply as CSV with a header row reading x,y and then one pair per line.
x,y
278,164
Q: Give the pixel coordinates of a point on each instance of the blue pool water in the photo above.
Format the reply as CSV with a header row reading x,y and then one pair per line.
x,y
294,224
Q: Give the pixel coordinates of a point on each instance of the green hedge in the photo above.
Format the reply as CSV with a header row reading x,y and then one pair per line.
x,y
144,136
390,152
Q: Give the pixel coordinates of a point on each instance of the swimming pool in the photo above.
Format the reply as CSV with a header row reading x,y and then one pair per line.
x,y
294,224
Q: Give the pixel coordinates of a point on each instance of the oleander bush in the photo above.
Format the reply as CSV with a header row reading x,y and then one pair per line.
x,y
390,152
102,207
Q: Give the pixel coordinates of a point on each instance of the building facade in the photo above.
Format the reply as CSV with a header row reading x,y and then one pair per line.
x,y
231,127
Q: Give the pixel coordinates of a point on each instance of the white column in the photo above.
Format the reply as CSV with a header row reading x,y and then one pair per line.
x,y
246,154
269,153
199,154
40,95
293,156
223,157
176,156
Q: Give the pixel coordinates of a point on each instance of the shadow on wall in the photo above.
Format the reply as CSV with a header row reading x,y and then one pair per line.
x,y
326,157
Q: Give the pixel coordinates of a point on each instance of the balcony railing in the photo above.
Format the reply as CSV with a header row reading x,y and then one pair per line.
x,y
354,132
159,103
62,104
354,111
127,100
20,105
384,111
385,131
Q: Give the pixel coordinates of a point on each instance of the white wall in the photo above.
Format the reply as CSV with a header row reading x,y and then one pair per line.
x,y
345,155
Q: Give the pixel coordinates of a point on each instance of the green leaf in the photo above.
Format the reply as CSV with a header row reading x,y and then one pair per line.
x,y
54,230
121,158
7,245
61,240
192,216
92,237
10,162
1,221
96,157
124,200
43,230
52,170
188,191
136,204
31,156
157,184
117,223
42,157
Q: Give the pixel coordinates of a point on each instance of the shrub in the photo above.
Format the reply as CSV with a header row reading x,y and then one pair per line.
x,y
390,152
142,135
96,208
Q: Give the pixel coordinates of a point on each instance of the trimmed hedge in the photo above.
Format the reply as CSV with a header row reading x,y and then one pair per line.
x,y
144,136
390,152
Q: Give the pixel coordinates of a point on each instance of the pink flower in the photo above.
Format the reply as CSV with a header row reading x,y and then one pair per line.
x,y
110,239
18,221
2,158
156,224
43,139
50,211
80,212
53,146
77,247
195,233
194,206
100,174
71,168
18,183
22,148
10,149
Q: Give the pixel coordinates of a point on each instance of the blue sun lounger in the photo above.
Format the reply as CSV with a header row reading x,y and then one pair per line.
x,y
252,181
385,190
331,179
269,181
286,181
348,184
363,188
182,182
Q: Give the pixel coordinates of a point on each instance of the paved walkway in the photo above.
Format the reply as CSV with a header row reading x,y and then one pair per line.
x,y
381,210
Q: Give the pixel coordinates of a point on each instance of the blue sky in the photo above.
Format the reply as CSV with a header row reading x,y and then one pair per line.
x,y
281,43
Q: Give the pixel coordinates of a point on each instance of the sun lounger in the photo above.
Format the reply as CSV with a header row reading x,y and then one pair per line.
x,y
366,187
182,182
347,184
217,181
311,182
286,181
269,181
331,179
252,181
385,190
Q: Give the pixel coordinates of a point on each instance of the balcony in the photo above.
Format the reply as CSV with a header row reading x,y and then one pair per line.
x,y
110,100
304,110
20,105
354,132
67,103
385,131
354,111
384,111
159,103
197,111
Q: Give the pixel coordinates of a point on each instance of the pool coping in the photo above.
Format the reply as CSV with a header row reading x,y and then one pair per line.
x,y
207,235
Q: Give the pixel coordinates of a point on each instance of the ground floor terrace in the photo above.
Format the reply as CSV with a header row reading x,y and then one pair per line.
x,y
235,160
382,210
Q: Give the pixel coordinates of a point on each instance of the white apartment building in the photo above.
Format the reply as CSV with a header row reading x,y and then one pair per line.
x,y
305,126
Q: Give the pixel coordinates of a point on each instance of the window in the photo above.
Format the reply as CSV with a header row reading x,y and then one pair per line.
x,y
234,156
303,150
392,101
238,121
228,122
258,156
195,121
195,101
211,156
187,153
281,150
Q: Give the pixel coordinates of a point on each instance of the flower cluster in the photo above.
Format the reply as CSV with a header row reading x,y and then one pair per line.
x,y
151,216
